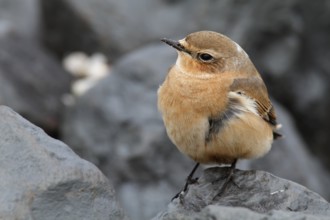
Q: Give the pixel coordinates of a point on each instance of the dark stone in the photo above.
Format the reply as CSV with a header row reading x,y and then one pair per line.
x,y
290,46
32,82
65,30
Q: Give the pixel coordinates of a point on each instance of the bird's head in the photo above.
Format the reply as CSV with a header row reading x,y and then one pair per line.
x,y
208,52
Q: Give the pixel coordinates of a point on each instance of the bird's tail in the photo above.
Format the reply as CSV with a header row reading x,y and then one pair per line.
x,y
277,135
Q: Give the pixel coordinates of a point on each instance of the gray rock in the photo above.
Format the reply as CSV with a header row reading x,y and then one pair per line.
x,y
115,28
20,16
117,126
32,82
290,46
259,195
42,178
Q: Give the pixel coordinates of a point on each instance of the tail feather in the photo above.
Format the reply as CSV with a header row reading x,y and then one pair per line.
x,y
277,135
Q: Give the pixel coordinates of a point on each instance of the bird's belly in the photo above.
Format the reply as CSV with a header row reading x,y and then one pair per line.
x,y
246,136
187,133
243,137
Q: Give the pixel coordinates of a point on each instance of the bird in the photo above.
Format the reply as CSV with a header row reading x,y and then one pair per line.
x,y
214,104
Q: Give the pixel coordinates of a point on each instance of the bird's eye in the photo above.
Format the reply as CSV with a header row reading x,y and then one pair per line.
x,y
205,57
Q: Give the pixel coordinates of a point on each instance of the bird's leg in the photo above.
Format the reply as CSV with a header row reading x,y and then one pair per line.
x,y
228,179
189,181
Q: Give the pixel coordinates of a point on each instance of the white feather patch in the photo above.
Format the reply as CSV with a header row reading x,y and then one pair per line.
x,y
196,75
246,104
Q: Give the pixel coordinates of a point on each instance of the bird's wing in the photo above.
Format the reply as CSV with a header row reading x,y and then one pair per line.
x,y
254,88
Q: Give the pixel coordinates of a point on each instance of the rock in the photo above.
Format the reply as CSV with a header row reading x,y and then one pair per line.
x,y
115,28
20,16
290,50
64,30
32,82
42,178
117,126
251,195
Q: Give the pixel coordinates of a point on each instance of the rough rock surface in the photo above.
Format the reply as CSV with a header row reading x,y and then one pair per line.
x,y
259,195
116,125
42,178
32,82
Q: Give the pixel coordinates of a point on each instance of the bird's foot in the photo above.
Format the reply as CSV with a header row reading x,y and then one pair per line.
x,y
192,181
189,180
181,194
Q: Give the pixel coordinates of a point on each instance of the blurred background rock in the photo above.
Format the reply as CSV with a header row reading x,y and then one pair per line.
x,y
111,119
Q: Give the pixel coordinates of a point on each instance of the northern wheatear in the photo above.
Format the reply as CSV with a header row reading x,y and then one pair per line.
x,y
214,104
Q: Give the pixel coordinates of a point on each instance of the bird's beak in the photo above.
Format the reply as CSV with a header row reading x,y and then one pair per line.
x,y
175,44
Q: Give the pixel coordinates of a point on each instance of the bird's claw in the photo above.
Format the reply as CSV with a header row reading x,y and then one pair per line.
x,y
181,194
